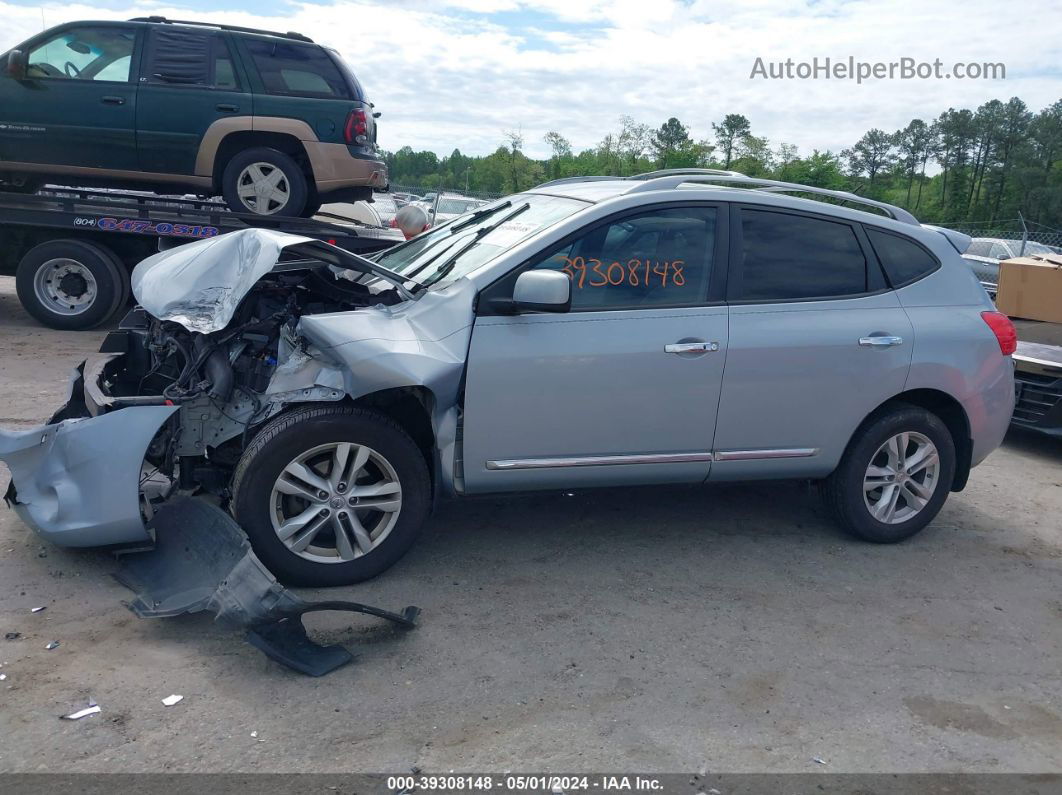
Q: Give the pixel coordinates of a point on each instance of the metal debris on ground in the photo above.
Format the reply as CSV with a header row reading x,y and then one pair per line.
x,y
3,677
37,609
202,561
818,760
53,645
169,701
92,709
12,635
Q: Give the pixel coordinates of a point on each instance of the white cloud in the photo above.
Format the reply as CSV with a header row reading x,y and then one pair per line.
x,y
448,74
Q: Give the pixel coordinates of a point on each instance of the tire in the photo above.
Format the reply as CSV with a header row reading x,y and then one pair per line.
x,y
853,506
239,171
91,273
262,511
313,206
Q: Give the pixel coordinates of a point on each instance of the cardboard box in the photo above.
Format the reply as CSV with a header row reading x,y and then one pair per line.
x,y
1031,287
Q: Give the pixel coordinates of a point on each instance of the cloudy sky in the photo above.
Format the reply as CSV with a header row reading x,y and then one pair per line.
x,y
457,73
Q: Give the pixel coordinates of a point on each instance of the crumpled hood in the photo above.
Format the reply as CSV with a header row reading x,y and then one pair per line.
x,y
200,284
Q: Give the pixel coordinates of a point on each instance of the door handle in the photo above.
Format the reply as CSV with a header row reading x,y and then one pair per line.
x,y
227,107
112,100
691,347
881,341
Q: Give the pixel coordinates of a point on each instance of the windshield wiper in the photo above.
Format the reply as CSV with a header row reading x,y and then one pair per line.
x,y
478,214
451,263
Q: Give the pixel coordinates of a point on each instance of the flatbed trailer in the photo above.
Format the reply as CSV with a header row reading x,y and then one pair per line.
x,y
1038,376
72,250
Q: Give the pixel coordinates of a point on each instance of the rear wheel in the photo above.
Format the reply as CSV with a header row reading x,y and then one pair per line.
x,y
331,495
71,284
264,181
895,476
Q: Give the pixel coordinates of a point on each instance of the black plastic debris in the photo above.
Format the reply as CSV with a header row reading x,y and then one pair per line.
x,y
203,561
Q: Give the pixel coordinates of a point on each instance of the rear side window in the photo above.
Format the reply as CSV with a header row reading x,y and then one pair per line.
x,y
297,69
904,261
186,56
791,257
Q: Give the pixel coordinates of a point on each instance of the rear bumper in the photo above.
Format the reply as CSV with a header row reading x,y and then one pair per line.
x,y
76,482
335,168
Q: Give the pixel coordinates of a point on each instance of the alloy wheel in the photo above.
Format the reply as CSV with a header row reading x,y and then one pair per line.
x,y
901,477
335,502
263,188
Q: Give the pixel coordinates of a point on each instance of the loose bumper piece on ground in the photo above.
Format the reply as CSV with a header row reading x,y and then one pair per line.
x,y
202,561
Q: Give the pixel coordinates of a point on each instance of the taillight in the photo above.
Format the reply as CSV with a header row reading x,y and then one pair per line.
x,y
1004,331
356,128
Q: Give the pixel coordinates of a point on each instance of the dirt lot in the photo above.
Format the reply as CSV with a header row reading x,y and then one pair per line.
x,y
658,629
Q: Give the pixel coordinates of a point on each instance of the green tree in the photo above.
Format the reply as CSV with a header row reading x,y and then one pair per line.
x,y
729,133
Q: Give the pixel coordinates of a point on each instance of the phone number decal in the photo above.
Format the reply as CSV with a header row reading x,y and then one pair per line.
x,y
139,226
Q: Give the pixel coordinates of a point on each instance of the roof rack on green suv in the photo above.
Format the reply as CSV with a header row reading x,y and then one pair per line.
x,y
236,28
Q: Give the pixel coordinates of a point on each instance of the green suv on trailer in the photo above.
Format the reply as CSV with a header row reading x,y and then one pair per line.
x,y
270,121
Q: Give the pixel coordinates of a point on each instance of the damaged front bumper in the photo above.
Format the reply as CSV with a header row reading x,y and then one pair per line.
x,y
76,480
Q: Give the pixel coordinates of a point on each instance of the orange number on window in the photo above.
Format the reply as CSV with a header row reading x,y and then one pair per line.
x,y
598,272
676,273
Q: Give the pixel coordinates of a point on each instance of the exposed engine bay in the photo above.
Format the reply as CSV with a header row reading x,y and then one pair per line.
x,y
220,382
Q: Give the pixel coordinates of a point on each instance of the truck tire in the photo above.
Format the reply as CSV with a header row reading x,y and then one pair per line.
x,y
71,284
894,477
297,489
250,173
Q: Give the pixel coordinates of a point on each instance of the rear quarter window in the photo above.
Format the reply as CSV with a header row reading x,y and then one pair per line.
x,y
303,70
904,260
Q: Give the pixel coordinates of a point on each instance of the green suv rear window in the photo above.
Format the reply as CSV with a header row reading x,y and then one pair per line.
x,y
297,69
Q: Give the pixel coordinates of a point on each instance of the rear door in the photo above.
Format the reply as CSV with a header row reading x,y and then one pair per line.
x,y
77,105
624,387
817,342
189,82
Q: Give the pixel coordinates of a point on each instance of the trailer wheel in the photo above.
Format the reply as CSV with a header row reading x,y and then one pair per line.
x,y
70,284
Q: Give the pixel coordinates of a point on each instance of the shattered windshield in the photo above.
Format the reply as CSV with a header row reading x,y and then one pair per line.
x,y
426,256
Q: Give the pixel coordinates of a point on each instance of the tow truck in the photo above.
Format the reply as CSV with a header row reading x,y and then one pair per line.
x,y
72,250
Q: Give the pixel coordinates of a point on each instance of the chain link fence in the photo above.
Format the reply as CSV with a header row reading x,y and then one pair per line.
x,y
1014,229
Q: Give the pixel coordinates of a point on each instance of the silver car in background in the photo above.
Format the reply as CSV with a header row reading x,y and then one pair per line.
x,y
985,253
683,327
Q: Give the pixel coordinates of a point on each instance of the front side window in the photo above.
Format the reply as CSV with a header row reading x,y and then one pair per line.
x,y
787,257
658,258
904,260
297,69
89,53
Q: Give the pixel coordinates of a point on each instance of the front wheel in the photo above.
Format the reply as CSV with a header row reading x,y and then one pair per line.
x,y
331,495
894,477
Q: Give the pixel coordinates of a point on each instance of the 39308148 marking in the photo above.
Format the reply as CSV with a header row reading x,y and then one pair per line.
x,y
140,226
635,273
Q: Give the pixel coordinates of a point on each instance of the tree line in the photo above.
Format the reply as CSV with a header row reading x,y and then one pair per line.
x,y
984,166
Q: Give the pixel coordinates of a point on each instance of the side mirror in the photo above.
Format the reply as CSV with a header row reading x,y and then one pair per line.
x,y
542,291
16,64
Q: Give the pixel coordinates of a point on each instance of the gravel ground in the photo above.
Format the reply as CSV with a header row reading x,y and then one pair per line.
x,y
664,629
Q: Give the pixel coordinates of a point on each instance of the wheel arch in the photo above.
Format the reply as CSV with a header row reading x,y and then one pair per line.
x,y
950,412
412,407
240,140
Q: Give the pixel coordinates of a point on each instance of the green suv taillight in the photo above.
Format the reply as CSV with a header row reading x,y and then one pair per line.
x,y
356,128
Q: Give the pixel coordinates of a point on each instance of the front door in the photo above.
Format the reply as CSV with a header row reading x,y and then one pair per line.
x,y
77,103
189,81
621,389
817,342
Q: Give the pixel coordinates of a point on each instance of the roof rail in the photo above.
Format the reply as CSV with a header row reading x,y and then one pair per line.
x,y
570,180
235,28
770,186
676,172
